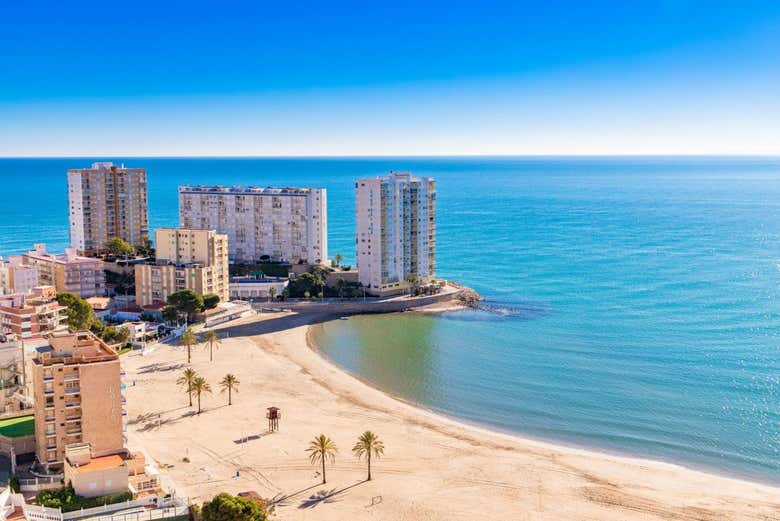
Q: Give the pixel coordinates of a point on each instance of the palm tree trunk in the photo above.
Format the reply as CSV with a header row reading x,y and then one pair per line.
x,y
189,356
189,393
211,351
323,469
230,396
369,465
198,403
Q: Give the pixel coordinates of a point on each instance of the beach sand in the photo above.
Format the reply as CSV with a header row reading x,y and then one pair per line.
x,y
434,468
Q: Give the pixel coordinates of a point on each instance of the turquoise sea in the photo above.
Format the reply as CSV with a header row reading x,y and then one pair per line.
x,y
632,305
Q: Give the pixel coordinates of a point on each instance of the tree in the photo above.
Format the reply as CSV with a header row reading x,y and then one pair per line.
x,y
200,386
80,314
145,248
272,292
229,383
414,282
211,338
225,507
170,314
188,339
186,301
119,246
186,379
337,259
123,335
320,449
369,444
210,301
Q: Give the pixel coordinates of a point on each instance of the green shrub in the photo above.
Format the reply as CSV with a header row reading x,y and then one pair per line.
x,y
66,499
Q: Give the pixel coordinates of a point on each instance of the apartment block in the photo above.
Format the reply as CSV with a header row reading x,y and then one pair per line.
x,y
76,385
32,314
13,396
186,259
283,224
15,277
104,202
68,271
396,231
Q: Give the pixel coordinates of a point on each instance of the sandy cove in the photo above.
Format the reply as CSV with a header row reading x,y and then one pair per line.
x,y
434,468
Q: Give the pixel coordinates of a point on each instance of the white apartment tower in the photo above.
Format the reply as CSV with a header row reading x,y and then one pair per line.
x,y
104,202
396,231
284,224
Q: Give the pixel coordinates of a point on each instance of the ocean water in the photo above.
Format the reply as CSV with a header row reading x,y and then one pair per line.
x,y
631,305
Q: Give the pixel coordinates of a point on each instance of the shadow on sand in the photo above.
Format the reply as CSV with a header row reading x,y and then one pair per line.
x,y
274,325
326,496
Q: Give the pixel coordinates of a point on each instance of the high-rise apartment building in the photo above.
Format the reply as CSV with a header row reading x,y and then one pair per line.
x,y
285,224
106,201
76,388
83,276
396,231
186,259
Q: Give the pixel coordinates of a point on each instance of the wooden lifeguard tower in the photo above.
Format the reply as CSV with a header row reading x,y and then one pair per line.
x,y
273,415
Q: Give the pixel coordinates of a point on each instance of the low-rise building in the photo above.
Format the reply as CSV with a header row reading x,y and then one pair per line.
x,y
186,259
32,314
15,277
83,276
248,288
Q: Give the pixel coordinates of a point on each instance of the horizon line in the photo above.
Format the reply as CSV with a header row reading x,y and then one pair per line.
x,y
402,156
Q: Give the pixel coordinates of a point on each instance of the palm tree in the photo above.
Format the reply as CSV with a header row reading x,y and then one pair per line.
x,y
229,383
369,444
211,338
272,292
320,449
200,386
337,259
187,377
188,339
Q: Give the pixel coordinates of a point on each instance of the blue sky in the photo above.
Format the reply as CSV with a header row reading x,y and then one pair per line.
x,y
364,78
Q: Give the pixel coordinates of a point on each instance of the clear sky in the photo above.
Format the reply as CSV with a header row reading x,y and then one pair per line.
x,y
411,78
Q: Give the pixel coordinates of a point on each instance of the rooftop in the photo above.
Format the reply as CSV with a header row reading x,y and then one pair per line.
x,y
75,348
100,463
243,190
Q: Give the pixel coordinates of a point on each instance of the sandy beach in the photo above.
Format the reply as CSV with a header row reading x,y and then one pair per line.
x,y
434,468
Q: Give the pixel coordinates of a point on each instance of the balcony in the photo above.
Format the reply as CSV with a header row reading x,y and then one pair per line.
x,y
72,405
72,390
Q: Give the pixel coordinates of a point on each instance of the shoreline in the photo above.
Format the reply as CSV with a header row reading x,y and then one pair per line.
x,y
520,436
434,465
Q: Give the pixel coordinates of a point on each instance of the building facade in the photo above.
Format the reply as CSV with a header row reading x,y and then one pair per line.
x,y
32,314
284,224
15,277
186,259
68,271
395,231
76,389
106,201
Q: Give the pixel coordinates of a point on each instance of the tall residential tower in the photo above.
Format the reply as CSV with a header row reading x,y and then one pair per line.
x,y
106,201
396,231
285,224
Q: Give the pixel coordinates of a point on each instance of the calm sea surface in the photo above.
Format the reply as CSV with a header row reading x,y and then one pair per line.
x,y
633,304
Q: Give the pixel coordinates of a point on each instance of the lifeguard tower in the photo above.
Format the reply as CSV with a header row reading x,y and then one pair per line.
x,y
273,415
